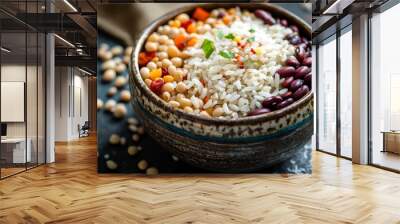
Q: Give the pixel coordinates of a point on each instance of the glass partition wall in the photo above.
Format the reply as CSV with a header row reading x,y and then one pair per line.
x,y
22,101
334,93
385,90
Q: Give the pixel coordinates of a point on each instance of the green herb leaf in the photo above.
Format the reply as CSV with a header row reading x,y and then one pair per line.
x,y
230,36
252,30
208,47
226,54
220,34
251,39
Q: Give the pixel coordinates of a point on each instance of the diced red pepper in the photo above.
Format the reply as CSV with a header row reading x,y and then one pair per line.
x,y
252,51
186,24
201,14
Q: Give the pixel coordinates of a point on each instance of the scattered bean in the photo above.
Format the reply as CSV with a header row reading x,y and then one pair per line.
x,y
271,100
307,61
109,75
287,81
135,137
120,110
112,91
125,95
110,104
287,95
142,164
99,104
151,171
132,150
111,164
292,61
120,81
114,139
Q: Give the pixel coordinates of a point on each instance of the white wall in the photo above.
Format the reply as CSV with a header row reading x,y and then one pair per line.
x,y
71,93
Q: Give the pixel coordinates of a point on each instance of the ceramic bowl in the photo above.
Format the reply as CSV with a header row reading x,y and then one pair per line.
x,y
245,144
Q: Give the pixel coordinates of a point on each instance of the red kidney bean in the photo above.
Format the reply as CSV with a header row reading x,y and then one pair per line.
x,y
287,95
284,22
295,40
292,61
287,81
307,61
301,72
296,84
164,71
286,71
300,53
300,92
268,102
285,103
294,28
307,79
156,85
258,111
265,16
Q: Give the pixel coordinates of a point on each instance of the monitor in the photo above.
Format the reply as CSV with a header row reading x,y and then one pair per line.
x,y
3,129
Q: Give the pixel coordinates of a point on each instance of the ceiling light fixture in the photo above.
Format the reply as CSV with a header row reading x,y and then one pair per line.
x,y
5,50
65,41
84,71
70,5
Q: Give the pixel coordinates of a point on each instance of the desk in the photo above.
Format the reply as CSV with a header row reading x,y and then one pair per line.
x,y
391,141
16,147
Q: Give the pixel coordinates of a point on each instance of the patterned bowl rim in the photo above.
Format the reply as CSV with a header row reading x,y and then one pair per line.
x,y
137,81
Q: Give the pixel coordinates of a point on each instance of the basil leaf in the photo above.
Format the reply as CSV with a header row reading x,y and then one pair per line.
x,y
226,54
220,34
230,36
251,39
252,30
208,47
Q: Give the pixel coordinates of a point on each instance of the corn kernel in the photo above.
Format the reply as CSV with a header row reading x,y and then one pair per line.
x,y
259,51
237,39
155,74
168,78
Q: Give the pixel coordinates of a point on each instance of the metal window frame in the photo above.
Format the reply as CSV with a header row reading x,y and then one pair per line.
x,y
338,152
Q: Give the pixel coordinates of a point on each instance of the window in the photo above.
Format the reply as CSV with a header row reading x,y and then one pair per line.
x,y
327,96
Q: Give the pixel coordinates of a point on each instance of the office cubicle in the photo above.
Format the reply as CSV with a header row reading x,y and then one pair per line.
x,y
22,89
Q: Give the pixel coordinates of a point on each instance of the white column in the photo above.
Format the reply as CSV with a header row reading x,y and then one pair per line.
x,y
360,90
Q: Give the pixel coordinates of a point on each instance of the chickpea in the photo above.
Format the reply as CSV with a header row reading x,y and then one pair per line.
x,y
148,82
166,96
218,111
159,64
163,39
174,32
162,55
178,75
170,42
163,48
151,46
188,109
167,30
184,102
167,87
120,110
172,70
145,72
174,103
166,62
183,17
177,61
109,75
204,113
142,164
112,91
181,87
154,37
151,65
173,51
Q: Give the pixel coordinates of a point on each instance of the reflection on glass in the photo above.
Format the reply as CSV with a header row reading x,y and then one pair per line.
x,y
13,84
385,83
346,94
327,96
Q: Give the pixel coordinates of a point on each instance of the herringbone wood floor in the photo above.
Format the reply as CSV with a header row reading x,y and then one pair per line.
x,y
70,191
